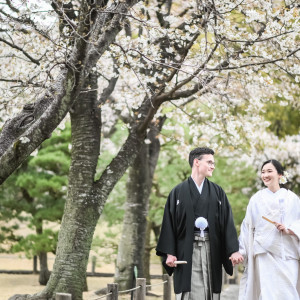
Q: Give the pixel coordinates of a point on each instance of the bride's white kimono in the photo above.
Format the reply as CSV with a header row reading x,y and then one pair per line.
x,y
272,259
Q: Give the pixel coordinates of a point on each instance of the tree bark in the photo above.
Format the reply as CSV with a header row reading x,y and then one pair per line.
x,y
35,270
132,244
44,271
131,247
147,253
81,209
81,212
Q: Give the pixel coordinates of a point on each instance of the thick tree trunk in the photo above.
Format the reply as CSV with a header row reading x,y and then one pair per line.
x,y
86,197
81,211
81,208
132,244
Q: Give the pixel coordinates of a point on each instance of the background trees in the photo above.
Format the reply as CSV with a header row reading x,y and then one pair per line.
x,y
35,195
208,67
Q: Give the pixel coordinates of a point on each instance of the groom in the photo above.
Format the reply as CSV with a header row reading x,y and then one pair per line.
x,y
201,277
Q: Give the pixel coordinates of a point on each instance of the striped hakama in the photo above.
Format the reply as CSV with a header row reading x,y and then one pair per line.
x,y
201,272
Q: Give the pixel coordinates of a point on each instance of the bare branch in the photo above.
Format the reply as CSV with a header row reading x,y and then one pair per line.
x,y
170,94
110,88
60,10
8,2
188,93
26,21
11,80
171,66
186,50
258,40
20,49
266,62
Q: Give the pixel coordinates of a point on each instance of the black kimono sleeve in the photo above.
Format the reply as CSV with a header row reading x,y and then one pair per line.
x,y
167,239
229,235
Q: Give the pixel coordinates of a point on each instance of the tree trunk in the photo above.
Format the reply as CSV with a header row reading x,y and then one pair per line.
x,y
35,270
81,209
132,244
147,253
131,247
86,197
44,271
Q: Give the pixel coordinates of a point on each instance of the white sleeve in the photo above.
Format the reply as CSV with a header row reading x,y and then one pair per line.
x,y
246,234
295,224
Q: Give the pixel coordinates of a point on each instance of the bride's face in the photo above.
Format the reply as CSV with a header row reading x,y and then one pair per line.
x,y
270,176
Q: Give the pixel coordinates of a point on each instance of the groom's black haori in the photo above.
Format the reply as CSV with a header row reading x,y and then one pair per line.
x,y
177,232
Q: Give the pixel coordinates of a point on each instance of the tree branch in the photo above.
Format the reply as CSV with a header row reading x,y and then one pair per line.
x,y
26,21
271,61
188,93
8,2
20,49
170,94
110,87
22,134
25,132
258,40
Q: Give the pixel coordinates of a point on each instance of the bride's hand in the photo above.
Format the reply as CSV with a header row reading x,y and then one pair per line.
x,y
283,229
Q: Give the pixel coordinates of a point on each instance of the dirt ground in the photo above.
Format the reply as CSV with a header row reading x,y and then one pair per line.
x,y
11,284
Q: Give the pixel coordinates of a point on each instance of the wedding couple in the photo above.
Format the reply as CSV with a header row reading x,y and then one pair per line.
x,y
268,245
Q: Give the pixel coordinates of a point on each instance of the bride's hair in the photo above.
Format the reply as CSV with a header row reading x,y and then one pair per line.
x,y
276,164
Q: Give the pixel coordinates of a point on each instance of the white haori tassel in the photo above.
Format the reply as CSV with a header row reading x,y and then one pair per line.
x,y
202,224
